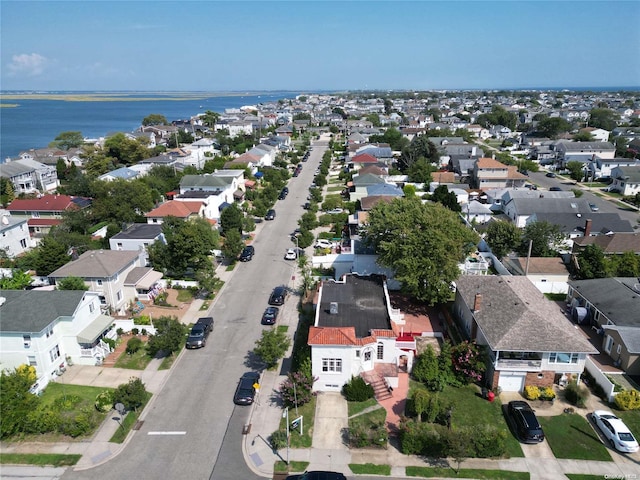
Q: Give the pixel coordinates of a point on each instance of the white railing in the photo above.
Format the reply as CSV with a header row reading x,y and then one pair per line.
x,y
396,316
601,379
518,364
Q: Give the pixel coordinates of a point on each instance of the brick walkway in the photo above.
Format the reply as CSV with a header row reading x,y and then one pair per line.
x,y
113,357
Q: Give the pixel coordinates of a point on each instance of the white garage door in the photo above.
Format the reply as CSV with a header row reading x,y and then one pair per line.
x,y
511,381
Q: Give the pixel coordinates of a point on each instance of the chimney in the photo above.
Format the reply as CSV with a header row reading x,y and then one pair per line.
x,y
587,227
477,302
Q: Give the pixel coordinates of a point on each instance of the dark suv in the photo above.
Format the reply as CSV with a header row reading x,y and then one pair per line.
x,y
525,423
199,332
283,193
318,475
278,296
247,253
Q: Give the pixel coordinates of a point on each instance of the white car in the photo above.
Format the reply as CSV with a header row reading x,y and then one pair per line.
x,y
615,431
335,211
290,254
323,243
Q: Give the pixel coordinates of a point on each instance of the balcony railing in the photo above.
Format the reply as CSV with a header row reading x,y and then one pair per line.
x,y
518,364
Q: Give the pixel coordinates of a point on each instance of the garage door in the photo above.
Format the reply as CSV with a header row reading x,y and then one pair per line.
x,y
511,381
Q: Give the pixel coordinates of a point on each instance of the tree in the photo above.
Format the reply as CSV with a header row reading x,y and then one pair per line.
x,y
121,200
498,116
592,263
72,283
426,369
16,402
154,119
374,118
126,150
50,255
449,199
18,280
423,243
272,346
546,238
421,171
503,237
233,244
420,147
628,265
169,336
552,126
206,277
231,219
603,118
576,170
67,140
210,118
583,136
132,394
6,191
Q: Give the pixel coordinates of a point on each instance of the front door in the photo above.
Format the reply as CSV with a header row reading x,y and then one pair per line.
x,y
367,358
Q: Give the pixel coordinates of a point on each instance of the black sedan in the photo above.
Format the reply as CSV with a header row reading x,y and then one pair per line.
x,y
524,421
246,391
278,296
247,253
270,315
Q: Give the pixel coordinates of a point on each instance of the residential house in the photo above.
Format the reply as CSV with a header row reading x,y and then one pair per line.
x,y
598,134
353,331
519,209
626,180
490,173
137,238
123,173
603,167
611,244
548,274
359,161
612,306
47,329
176,208
215,190
29,176
582,151
575,226
104,272
359,184
46,211
529,340
476,212
14,235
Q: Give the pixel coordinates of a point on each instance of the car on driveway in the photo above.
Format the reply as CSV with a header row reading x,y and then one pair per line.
x,y
247,253
278,296
335,211
525,422
245,391
290,254
615,431
270,315
323,243
317,475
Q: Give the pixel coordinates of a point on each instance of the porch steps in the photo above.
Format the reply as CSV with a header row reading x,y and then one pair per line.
x,y
380,388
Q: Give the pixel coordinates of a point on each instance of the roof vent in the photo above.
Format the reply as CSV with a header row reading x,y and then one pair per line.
x,y
333,308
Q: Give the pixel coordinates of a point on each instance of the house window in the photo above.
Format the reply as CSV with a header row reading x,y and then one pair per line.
x,y
332,365
367,355
619,349
609,344
49,332
562,357
119,295
32,361
380,351
23,243
119,246
91,307
357,353
54,353
99,282
26,339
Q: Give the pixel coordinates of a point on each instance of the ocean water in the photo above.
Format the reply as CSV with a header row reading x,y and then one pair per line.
x,y
34,123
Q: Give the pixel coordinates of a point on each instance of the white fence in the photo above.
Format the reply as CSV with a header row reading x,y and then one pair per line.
x,y
601,379
128,325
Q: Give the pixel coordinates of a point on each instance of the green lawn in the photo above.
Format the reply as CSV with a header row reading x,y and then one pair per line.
x,y
581,476
571,436
431,472
308,412
282,467
631,418
185,295
357,407
377,416
56,389
136,361
370,469
40,459
128,422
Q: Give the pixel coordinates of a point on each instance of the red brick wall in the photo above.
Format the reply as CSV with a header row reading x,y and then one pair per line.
x,y
546,380
496,378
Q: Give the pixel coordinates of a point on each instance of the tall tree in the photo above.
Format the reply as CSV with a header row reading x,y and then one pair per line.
x,y
603,118
6,191
592,263
449,199
628,265
15,400
503,237
67,140
423,243
72,283
121,200
210,118
231,219
576,170
126,150
553,126
169,336
154,119
50,255
420,147
546,239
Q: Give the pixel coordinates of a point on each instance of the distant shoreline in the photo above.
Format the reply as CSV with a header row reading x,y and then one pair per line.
x,y
122,96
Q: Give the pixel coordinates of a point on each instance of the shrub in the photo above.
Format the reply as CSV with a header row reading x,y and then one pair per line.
x,y
42,421
104,401
120,331
531,392
110,341
357,390
65,402
296,390
133,345
135,331
371,435
628,400
547,393
487,441
142,320
132,394
79,424
278,439
421,439
576,395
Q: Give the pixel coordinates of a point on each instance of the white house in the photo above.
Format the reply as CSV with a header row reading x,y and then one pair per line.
x,y
14,235
48,328
354,331
137,238
29,176
626,180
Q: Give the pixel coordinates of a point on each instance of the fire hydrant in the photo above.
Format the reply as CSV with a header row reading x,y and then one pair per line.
x,y
491,396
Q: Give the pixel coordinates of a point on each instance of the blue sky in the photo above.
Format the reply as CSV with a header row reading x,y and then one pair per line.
x,y
326,45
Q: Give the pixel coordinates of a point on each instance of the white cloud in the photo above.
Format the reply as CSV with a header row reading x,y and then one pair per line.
x,y
29,64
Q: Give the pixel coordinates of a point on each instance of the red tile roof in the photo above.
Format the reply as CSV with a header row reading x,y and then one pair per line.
x,y
176,208
332,336
489,163
364,158
43,222
46,203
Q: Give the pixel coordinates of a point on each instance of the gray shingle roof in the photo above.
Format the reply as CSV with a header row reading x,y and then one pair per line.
x,y
600,222
139,231
617,298
97,264
514,315
30,311
629,335
529,206
195,181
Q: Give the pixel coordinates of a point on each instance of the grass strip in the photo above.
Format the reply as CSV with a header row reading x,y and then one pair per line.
x,y
439,472
282,467
370,469
40,459
128,422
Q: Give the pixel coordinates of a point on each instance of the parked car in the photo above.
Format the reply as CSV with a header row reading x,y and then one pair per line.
x,y
283,193
247,253
290,254
270,315
323,243
307,205
271,214
199,332
525,423
555,189
245,391
615,431
318,475
594,207
278,296
335,211
551,175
